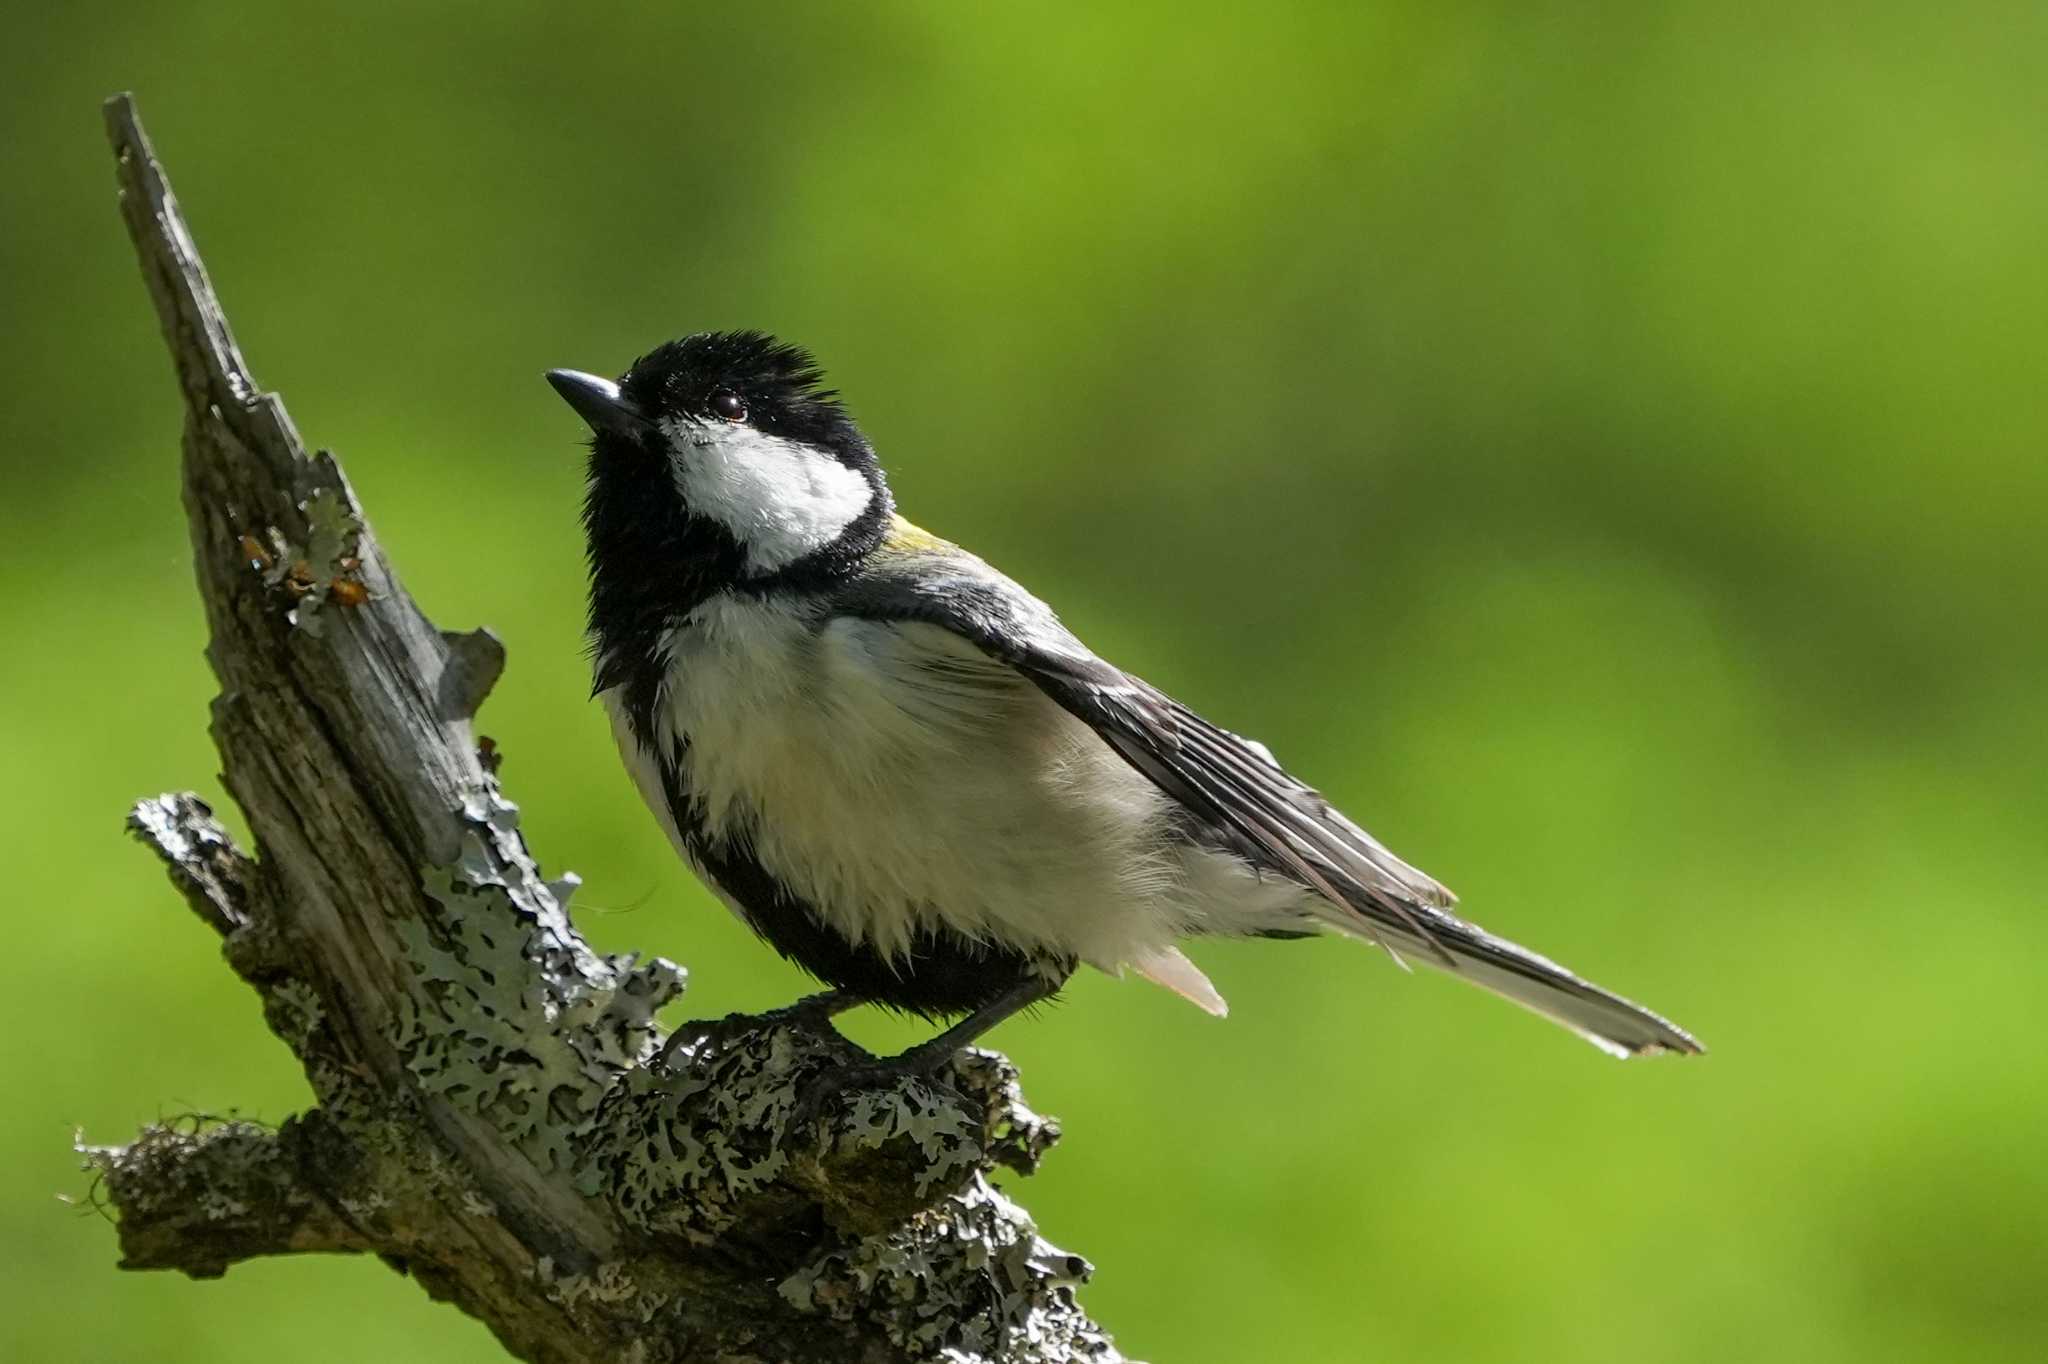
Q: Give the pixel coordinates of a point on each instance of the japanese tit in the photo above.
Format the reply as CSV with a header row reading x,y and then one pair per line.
x,y
899,768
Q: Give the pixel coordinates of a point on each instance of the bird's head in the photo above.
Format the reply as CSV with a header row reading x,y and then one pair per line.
x,y
725,449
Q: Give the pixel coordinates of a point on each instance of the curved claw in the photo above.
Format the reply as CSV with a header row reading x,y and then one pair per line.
x,y
861,1077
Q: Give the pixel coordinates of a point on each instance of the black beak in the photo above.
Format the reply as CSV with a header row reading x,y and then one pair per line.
x,y
597,401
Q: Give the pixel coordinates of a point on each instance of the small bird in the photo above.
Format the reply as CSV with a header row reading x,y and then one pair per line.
x,y
899,769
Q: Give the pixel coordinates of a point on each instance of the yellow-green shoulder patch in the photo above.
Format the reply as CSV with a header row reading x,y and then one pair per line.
x,y
907,538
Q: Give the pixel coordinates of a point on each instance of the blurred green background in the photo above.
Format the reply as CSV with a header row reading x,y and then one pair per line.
x,y
1601,445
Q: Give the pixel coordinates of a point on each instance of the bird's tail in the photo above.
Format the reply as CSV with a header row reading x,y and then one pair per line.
x,y
1455,947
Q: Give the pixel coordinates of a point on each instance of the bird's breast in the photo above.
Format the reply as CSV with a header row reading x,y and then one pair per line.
x,y
896,778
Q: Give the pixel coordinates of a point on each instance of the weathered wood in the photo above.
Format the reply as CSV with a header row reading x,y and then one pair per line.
x,y
486,1118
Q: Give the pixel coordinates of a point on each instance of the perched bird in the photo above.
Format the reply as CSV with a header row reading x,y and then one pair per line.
x,y
901,770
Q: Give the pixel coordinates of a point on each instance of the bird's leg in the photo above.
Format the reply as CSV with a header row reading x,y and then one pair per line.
x,y
925,1057
812,1012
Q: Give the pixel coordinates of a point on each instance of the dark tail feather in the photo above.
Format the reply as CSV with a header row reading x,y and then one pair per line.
x,y
1611,1023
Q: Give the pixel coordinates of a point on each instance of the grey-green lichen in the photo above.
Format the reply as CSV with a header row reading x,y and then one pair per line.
x,y
970,1282
155,1170
1011,1134
200,1193
293,1010
205,865
514,1018
696,1148
332,529
611,1284
939,1129
680,1152
320,573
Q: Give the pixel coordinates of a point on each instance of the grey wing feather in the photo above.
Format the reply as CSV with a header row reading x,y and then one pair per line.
x,y
1230,783
1234,786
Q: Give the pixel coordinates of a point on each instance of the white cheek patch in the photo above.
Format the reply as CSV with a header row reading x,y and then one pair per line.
x,y
780,499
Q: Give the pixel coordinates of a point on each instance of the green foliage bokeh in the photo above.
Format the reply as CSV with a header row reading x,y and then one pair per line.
x,y
1601,445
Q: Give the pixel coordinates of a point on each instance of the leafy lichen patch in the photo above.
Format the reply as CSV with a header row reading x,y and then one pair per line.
x,y
970,1282
293,1010
682,1152
514,1018
157,1169
695,1151
320,574
1011,1133
611,1284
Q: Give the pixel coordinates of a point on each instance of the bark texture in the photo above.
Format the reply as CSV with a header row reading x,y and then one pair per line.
x,y
486,1117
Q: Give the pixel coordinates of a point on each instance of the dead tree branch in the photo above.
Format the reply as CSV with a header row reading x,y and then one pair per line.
x,y
485,1116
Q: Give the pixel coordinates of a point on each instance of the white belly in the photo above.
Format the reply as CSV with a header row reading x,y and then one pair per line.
x,y
898,779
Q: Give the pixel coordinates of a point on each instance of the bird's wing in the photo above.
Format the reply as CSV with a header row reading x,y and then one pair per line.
x,y
1235,788
1231,784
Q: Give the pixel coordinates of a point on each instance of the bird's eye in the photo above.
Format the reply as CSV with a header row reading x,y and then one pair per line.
x,y
729,405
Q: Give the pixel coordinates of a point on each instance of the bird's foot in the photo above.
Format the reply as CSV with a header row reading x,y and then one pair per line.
x,y
921,1060
919,1063
813,1013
